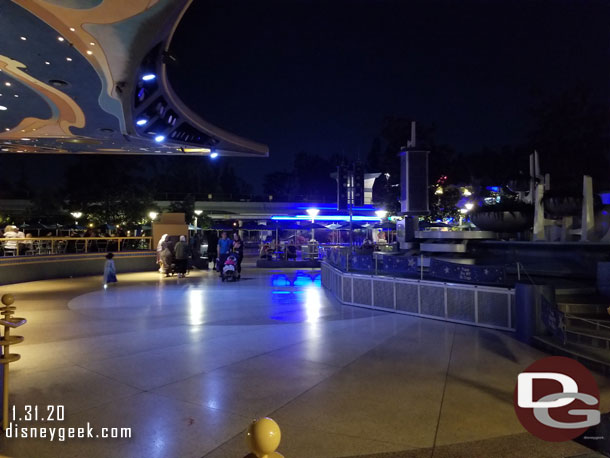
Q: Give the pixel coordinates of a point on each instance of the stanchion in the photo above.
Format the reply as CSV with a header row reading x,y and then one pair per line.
x,y
8,321
263,438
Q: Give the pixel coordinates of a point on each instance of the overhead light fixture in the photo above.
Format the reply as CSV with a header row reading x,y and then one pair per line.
x,y
141,122
92,44
46,62
26,139
3,108
197,150
214,155
159,138
23,38
69,59
16,95
381,213
148,77
60,38
72,29
6,128
89,52
7,84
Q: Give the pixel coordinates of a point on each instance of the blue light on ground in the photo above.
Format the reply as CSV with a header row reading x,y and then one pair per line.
x,y
302,303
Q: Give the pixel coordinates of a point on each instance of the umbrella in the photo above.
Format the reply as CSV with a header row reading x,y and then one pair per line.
x,y
223,226
386,225
75,227
334,226
310,226
355,226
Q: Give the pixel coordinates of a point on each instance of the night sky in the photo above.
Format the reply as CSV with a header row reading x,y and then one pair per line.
x,y
320,75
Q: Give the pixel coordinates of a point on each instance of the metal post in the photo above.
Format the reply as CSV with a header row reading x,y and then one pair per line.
x,y
8,321
518,272
421,266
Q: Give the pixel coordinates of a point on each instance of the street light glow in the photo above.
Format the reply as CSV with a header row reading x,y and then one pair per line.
x,y
153,215
313,212
381,213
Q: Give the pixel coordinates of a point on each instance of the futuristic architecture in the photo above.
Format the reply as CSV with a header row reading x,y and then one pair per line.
x,y
90,76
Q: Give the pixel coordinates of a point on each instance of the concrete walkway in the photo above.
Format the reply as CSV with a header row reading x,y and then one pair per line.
x,y
187,363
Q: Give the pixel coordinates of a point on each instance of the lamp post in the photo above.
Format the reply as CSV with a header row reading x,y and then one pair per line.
x,y
463,211
381,214
313,212
76,216
197,215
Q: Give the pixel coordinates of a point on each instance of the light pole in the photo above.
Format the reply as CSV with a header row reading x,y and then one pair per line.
x,y
381,214
76,216
313,212
197,215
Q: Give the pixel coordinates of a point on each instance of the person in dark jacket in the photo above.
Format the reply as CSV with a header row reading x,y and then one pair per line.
x,y
238,249
181,254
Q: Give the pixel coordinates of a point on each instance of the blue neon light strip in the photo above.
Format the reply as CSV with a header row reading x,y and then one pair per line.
x,y
334,207
325,218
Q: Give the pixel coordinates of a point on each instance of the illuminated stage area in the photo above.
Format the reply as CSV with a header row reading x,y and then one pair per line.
x,y
187,363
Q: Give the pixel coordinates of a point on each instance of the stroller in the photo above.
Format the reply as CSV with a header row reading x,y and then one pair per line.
x,y
229,269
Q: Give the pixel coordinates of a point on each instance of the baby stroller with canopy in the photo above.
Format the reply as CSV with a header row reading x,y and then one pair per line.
x,y
229,269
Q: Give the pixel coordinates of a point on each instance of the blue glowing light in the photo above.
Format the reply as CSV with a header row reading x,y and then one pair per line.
x,y
159,138
280,280
493,188
325,218
148,77
334,207
214,155
141,122
302,280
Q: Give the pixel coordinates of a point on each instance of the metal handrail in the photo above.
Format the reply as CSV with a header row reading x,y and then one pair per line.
x,y
587,320
57,242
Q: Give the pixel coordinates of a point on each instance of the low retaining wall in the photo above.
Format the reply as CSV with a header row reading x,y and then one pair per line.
x,y
486,306
21,269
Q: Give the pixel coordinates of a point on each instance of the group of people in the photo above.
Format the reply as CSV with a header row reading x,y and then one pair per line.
x,y
173,257
13,232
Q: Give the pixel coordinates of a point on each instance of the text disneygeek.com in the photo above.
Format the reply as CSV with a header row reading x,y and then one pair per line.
x,y
21,427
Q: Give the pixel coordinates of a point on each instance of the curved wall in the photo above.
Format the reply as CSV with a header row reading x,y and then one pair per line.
x,y
21,269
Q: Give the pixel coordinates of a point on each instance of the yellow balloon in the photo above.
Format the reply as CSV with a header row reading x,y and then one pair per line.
x,y
263,437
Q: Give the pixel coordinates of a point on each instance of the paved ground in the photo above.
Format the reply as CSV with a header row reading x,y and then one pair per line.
x,y
187,363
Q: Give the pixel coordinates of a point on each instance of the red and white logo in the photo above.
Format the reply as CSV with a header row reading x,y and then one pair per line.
x,y
557,399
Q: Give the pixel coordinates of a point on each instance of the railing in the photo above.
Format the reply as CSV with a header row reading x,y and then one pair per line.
x,y
41,246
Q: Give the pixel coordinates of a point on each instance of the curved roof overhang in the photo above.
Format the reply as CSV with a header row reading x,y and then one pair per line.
x,y
71,79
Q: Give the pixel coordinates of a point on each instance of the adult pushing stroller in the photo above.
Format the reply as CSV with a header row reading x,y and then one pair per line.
x,y
229,269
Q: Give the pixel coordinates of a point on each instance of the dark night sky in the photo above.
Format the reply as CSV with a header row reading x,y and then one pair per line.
x,y
320,75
